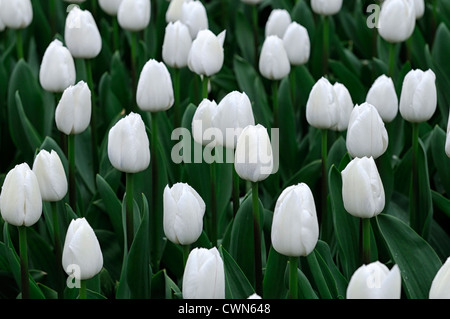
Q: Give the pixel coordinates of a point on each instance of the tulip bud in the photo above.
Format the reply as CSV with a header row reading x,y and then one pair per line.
x,y
397,20
277,23
128,144
51,176
111,7
295,228
17,14
177,44
366,134
57,70
419,6
73,113
362,188
20,198
173,12
375,281
206,55
382,95
447,140
134,15
274,62
253,156
326,7
440,286
154,89
81,34
203,120
82,249
204,275
194,16
345,106
234,113
322,105
297,44
183,214
418,100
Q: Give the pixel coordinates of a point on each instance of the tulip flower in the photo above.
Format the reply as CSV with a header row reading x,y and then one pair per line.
x,y
326,7
204,275
277,23
440,286
183,214
397,20
17,14
111,7
322,105
419,6
375,281
194,16
57,71
345,106
177,44
154,90
274,62
383,96
297,44
366,134
206,55
173,12
134,15
81,34
202,121
82,252
447,140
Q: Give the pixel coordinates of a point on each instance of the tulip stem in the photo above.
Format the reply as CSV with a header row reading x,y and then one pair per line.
x,y
391,59
134,67
236,193
90,81
255,32
155,231
293,278
176,89
205,87
275,103
19,40
129,209
24,262
414,203
186,251
366,241
58,252
71,155
212,171
324,196
257,238
83,290
326,43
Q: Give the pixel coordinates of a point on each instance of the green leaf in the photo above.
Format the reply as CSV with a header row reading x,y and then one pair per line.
x,y
244,37
273,287
440,159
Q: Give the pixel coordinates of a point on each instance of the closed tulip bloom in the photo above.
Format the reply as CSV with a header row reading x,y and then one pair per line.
x,y
194,16
366,134
326,7
253,159
82,249
345,106
383,96
204,275
362,188
17,14
397,20
277,23
206,55
51,176
375,281
295,228
111,7
203,121
322,105
154,89
173,12
57,71
234,113
183,214
134,15
418,100
177,44
20,198
73,113
274,62
297,44
440,286
81,34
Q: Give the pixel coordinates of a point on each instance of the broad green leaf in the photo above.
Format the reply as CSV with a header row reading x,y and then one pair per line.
x,y
440,159
273,287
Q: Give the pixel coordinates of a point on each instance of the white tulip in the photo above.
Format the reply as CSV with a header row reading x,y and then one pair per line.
x,y
295,228
274,62
418,100
57,71
397,20
362,188
183,214
375,281
383,96
203,121
111,7
440,286
17,14
173,12
73,113
154,89
206,55
51,176
366,134
82,35
447,140
419,6
345,106
204,275
134,15
194,16
253,156
297,44
177,44
20,198
82,250
322,105
326,7
277,23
